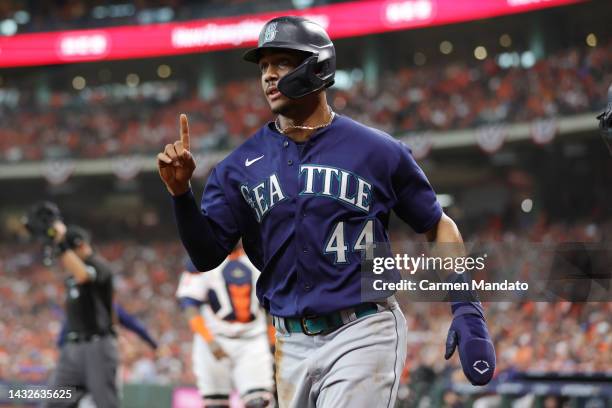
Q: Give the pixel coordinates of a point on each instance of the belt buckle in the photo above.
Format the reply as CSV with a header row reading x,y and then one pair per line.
x,y
305,327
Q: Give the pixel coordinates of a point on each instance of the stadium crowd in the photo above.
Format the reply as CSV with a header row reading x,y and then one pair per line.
x,y
93,123
559,337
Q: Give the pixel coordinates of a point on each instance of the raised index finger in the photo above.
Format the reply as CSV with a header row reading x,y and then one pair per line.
x,y
184,131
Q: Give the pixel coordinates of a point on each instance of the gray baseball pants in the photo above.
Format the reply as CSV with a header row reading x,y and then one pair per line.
x,y
356,366
90,366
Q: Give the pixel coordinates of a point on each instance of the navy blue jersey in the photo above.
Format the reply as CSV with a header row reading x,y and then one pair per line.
x,y
306,216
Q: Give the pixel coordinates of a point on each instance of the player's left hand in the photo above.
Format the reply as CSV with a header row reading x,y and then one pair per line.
x,y
476,352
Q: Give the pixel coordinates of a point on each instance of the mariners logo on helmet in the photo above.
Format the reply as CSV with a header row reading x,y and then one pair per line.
x,y
270,33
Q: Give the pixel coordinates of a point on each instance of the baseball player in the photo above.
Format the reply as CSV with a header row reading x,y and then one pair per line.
x,y
308,193
230,342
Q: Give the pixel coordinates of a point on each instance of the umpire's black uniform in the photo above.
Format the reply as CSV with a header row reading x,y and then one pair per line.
x,y
89,358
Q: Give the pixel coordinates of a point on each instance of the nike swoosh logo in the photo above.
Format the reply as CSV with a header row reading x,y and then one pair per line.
x,y
248,162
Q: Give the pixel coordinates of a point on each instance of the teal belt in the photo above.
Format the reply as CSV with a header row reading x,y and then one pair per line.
x,y
313,325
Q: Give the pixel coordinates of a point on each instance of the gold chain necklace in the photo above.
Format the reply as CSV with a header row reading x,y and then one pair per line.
x,y
331,118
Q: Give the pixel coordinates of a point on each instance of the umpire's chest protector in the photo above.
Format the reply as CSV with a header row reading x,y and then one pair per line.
x,y
307,213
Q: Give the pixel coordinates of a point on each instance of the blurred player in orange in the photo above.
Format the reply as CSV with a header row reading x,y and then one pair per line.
x,y
230,343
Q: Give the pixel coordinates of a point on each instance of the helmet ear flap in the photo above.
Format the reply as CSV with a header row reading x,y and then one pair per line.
x,y
306,78
297,83
326,71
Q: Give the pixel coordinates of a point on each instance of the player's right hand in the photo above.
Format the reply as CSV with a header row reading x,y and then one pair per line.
x,y
217,350
175,163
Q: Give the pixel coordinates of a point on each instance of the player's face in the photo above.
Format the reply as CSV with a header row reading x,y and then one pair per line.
x,y
273,65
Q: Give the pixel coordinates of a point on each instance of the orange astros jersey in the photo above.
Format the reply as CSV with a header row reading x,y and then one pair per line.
x,y
227,298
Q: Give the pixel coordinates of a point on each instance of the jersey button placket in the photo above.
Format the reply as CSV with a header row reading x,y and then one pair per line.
x,y
301,261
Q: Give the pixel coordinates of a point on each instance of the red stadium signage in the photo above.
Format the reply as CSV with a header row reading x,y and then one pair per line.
x,y
341,20
87,45
408,11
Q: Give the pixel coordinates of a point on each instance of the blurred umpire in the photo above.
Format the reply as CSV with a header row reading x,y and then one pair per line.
x,y
89,359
